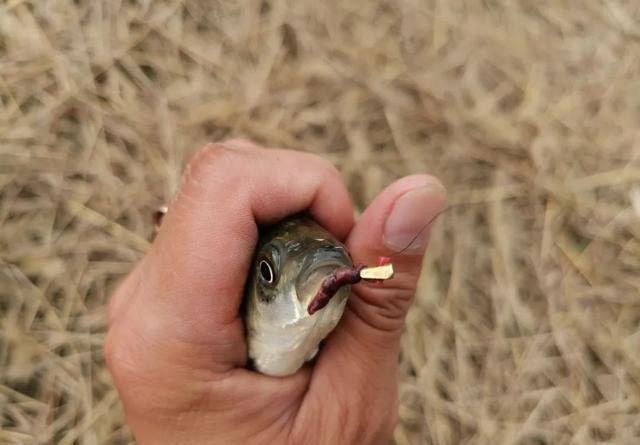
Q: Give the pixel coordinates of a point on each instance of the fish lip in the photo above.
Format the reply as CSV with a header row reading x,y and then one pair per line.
x,y
336,258
325,270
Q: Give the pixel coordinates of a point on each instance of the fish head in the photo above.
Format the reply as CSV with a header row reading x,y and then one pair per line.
x,y
291,262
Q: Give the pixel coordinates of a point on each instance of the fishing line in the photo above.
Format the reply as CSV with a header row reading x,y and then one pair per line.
x,y
413,240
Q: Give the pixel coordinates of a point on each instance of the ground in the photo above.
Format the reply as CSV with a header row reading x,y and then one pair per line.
x,y
526,326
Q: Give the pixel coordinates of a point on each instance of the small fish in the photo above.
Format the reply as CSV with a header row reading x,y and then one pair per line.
x,y
287,315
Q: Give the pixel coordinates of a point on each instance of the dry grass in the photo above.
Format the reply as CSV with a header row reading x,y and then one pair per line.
x,y
526,329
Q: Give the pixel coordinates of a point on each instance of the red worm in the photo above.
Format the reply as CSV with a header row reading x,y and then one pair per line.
x,y
340,277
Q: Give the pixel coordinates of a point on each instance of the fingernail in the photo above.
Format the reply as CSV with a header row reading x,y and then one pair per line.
x,y
405,226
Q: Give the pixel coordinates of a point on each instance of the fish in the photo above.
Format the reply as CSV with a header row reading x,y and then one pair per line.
x,y
284,322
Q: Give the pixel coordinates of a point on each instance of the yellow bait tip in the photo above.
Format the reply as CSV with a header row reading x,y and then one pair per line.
x,y
385,272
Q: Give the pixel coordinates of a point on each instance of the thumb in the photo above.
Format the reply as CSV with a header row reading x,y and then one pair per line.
x,y
356,371
395,225
359,360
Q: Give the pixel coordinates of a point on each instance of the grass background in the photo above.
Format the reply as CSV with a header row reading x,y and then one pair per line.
x,y
525,329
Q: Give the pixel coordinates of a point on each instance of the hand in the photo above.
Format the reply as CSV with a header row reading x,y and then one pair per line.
x,y
176,346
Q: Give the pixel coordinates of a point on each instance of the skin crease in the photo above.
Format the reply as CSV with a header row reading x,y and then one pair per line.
x,y
176,346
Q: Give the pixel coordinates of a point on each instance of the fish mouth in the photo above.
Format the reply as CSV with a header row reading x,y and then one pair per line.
x,y
316,268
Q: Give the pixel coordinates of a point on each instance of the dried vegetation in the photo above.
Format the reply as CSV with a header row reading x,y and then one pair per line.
x,y
526,326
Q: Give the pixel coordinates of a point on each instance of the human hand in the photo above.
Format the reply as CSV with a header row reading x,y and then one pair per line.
x,y
176,345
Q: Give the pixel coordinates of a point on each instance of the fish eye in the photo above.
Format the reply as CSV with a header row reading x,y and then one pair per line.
x,y
266,272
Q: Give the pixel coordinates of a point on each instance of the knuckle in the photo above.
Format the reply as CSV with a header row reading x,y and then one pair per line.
x,y
327,166
124,294
115,303
206,167
118,356
320,164
383,309
239,143
209,156
130,379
